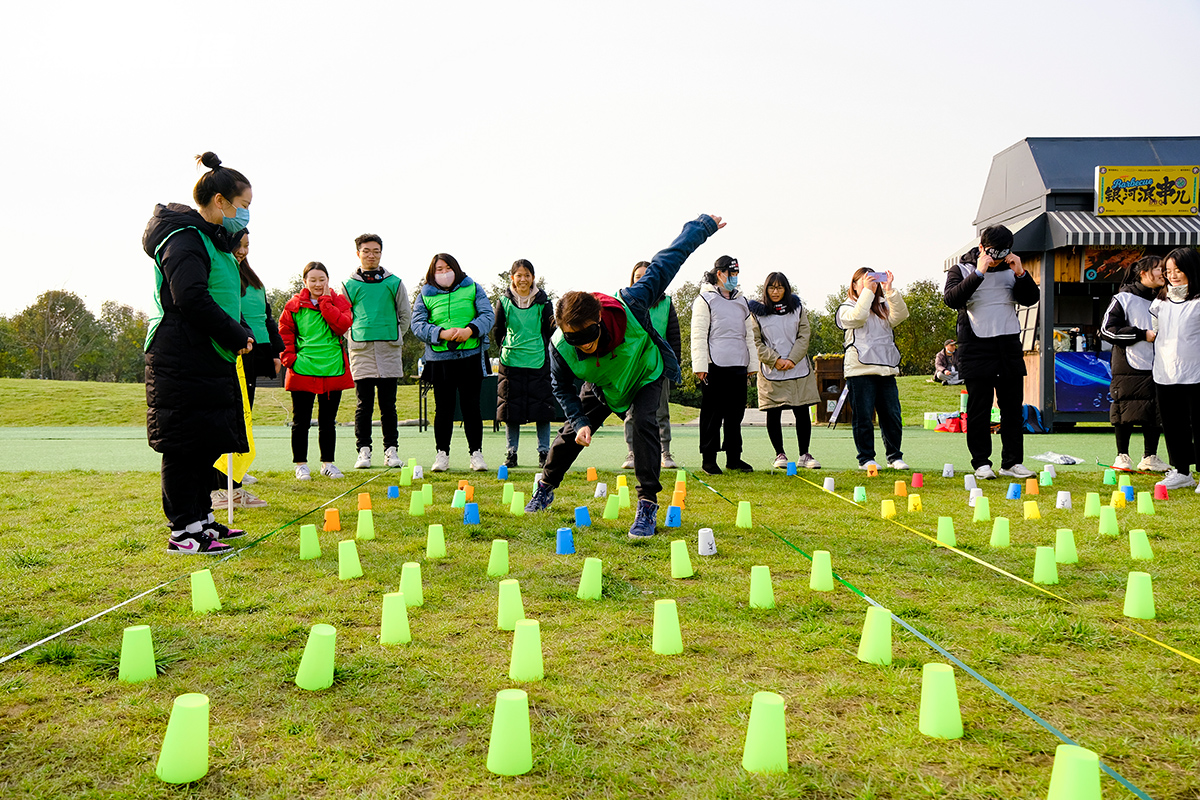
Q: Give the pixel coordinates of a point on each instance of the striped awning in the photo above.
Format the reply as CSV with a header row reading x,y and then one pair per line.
x,y
1068,228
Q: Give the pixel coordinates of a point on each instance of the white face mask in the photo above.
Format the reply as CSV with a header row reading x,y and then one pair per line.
x,y
444,279
1178,292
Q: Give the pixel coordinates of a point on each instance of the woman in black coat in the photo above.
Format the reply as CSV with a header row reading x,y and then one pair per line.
x,y
194,402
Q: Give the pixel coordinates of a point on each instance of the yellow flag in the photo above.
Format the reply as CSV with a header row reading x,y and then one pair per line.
x,y
241,461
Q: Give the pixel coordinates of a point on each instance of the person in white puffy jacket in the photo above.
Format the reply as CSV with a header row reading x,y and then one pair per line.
x,y
872,363
1175,316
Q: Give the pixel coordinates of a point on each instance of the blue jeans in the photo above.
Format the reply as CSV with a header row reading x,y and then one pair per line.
x,y
870,395
512,435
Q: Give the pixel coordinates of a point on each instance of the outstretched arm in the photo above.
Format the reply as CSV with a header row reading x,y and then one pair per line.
x,y
666,263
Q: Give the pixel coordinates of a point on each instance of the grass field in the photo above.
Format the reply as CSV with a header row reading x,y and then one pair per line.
x,y
611,719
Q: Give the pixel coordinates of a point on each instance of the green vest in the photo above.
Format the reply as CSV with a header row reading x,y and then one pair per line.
x,y
523,345
452,310
660,312
224,284
619,375
374,306
254,312
318,351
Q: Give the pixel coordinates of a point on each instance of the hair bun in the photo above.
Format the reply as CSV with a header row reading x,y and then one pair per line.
x,y
209,159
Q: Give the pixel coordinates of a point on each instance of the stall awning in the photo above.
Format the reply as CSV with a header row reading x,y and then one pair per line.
x,y
1068,228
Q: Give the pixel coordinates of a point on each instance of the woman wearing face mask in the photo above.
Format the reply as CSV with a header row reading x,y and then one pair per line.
x,y
872,364
312,325
785,379
452,316
666,324
1176,321
1127,325
524,324
723,358
193,398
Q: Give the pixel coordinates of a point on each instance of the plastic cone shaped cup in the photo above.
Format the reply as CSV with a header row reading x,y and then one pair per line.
x,y
1139,596
918,480
1000,532
526,661
1117,499
510,749
1064,547
681,562
316,665
706,543
766,735
681,475
506,498
872,470
502,474
460,499
517,509
184,754
744,519
470,490
983,511
471,513
410,584
364,501
1076,774
1031,510
1031,486
416,503
791,468
1160,492
564,544
1014,491
591,474
601,490
1045,570
1110,477
590,581
612,508
674,517
204,593
887,509
762,594
498,561
435,542
875,646
366,525
406,476
667,639
623,496
1108,521
1063,501
914,503
1050,468
1139,546
1045,479
418,472
333,520
948,471
427,492
1091,506
622,481
945,531
412,462
821,579
681,486
940,716
393,624
679,499
901,489
969,482
1146,502
860,494
1124,480
828,484
393,492
463,483
310,545
583,517
349,567
137,655
509,609
1130,494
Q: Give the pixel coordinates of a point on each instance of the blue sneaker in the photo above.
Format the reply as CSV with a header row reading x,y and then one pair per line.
x,y
645,521
541,500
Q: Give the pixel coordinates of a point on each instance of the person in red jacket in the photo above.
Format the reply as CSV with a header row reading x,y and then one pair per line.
x,y
312,325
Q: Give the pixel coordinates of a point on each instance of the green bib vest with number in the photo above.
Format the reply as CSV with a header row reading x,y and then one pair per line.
x,y
224,285
318,351
374,309
254,312
453,309
523,345
619,375
660,312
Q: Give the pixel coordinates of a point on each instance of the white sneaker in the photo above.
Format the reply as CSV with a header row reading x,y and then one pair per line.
x,y
364,458
477,462
781,461
302,472
985,473
441,462
391,458
1148,464
807,461
1123,461
241,499
1018,471
248,479
868,465
1174,479
628,463
668,461
331,471
898,464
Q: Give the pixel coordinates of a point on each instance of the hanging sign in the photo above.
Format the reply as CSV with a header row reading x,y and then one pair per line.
x,y
1147,191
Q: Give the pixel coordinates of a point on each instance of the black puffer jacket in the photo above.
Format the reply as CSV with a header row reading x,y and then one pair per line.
x,y
992,356
192,395
525,395
1132,390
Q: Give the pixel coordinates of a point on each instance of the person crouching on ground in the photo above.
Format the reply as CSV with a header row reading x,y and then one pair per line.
x,y
611,343
945,365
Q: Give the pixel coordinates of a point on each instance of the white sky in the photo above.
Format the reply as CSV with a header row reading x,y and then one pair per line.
x,y
579,136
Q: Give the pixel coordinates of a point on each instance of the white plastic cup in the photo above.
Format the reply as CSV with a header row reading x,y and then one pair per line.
x,y
976,493
1063,501
601,490
948,471
707,542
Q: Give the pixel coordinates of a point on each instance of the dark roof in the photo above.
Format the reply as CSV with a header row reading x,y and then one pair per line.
x,y
1058,174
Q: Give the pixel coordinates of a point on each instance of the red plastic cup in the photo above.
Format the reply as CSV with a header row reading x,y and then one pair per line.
x,y
1160,492
918,480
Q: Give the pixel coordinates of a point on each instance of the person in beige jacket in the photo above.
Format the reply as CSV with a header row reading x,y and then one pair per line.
x,y
872,363
785,377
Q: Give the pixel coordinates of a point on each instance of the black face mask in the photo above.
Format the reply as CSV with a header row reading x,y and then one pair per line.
x,y
581,337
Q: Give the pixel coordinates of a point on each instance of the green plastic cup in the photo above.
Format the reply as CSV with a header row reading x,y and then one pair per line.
x,y
1045,568
393,626
1075,775
1108,522
983,510
137,655
766,735
681,562
1139,596
762,593
517,509
945,532
1145,504
1124,480
681,475
427,491
406,476
821,579
612,508
316,665
590,580
416,503
349,567
435,541
506,498
1091,506
460,499
184,754
667,639
1139,546
510,608
366,525
498,561
310,545
1001,532
1110,477
940,716
875,646
204,593
1064,547
526,661
623,496
860,494
743,514
410,584
510,748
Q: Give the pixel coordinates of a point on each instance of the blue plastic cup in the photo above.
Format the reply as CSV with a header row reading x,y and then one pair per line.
x,y
674,517
791,468
502,474
583,517
566,542
1130,494
393,492
471,514
1014,491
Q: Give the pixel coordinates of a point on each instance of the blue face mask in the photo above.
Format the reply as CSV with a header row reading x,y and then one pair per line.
x,y
239,221
731,283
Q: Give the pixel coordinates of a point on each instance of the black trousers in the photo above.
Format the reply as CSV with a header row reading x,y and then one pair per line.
x,y
723,406
1150,436
327,408
1009,392
364,393
647,446
1181,424
803,428
186,478
461,378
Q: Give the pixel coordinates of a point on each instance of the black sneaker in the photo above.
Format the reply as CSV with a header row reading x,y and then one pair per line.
x,y
645,520
542,454
738,464
510,459
541,500
711,468
220,532
199,543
